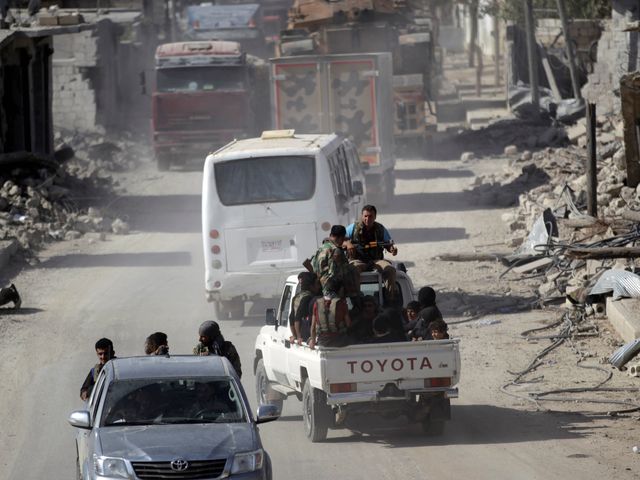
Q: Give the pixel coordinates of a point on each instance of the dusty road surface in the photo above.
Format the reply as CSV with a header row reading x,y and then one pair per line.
x,y
152,279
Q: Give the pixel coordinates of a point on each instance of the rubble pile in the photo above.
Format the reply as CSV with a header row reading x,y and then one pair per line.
x,y
536,181
43,202
554,181
523,134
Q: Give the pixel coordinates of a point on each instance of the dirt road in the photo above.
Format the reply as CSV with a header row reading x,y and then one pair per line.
x,y
152,279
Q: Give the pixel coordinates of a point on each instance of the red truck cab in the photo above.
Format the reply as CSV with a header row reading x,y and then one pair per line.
x,y
202,99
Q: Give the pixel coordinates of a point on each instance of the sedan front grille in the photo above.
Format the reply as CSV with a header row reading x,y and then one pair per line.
x,y
196,470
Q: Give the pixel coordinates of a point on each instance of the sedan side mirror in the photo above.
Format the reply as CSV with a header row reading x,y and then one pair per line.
x,y
271,317
80,419
357,188
267,413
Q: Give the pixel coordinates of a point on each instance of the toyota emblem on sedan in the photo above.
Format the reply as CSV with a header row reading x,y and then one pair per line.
x,y
179,465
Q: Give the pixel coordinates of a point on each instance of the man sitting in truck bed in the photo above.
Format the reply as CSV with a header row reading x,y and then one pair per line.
x,y
366,242
338,279
301,307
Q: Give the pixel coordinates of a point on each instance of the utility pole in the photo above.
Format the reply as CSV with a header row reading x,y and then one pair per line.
x,y
592,172
473,40
496,48
571,55
532,53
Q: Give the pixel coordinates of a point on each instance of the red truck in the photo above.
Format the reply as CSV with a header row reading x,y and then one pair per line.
x,y
205,94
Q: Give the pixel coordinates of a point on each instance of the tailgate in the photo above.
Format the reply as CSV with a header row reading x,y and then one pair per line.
x,y
404,362
265,248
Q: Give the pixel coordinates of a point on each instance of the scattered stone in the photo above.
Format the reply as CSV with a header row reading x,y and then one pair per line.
x,y
120,227
72,235
620,159
467,156
510,150
526,156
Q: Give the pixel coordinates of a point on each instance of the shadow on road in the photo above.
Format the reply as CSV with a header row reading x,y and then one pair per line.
x,y
20,311
148,259
419,235
162,213
455,303
475,425
430,173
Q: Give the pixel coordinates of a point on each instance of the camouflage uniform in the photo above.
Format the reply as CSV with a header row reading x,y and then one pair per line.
x,y
337,277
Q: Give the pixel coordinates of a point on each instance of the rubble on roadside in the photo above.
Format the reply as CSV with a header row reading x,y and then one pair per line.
x,y
563,264
40,203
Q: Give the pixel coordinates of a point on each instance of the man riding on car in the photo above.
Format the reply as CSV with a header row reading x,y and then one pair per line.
x,y
366,242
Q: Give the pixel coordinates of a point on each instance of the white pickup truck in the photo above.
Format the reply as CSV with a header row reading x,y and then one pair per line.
x,y
340,386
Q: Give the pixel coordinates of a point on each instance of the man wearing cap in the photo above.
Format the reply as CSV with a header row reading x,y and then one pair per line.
x,y
213,343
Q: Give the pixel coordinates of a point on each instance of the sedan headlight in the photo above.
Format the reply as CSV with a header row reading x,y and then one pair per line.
x,y
110,467
247,462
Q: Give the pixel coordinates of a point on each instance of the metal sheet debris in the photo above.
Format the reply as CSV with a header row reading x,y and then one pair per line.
x,y
622,283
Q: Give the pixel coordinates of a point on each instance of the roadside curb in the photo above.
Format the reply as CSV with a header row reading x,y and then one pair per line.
x,y
624,316
8,249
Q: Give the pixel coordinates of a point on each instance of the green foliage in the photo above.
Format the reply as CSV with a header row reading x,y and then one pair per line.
x,y
513,10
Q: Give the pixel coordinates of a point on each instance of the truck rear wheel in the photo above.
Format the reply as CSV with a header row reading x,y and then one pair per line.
x,y
266,395
316,413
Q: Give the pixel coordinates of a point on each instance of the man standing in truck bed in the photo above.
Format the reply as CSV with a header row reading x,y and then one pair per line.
x,y
367,241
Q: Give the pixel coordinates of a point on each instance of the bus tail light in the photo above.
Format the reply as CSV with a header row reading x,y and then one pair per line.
x,y
215,249
214,234
343,387
437,382
216,264
326,226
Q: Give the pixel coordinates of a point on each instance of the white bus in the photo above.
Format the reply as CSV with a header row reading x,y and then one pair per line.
x,y
267,204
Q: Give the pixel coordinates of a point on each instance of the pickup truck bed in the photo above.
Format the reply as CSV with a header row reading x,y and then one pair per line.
x,y
338,385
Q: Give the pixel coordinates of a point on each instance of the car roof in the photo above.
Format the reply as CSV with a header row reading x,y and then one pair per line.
x,y
166,366
296,144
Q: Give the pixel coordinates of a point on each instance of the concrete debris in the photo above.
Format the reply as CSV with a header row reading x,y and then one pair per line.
x,y
40,205
570,265
510,150
119,227
467,156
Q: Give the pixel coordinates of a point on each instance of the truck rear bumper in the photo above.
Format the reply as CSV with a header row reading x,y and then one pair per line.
x,y
374,396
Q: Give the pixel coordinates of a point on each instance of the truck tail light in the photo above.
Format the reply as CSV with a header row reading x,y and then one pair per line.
x,y
215,249
214,234
437,382
343,387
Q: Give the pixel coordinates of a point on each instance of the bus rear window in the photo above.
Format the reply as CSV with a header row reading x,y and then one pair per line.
x,y
265,180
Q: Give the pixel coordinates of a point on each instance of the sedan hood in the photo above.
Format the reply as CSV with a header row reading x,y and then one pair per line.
x,y
168,442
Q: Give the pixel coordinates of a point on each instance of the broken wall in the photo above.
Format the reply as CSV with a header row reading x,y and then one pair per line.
x,y
96,79
618,54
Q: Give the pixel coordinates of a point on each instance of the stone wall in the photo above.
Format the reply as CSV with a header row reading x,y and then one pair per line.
x,y
96,77
617,55
74,97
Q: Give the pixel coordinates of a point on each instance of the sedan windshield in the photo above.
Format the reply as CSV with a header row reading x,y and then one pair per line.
x,y
265,180
172,401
